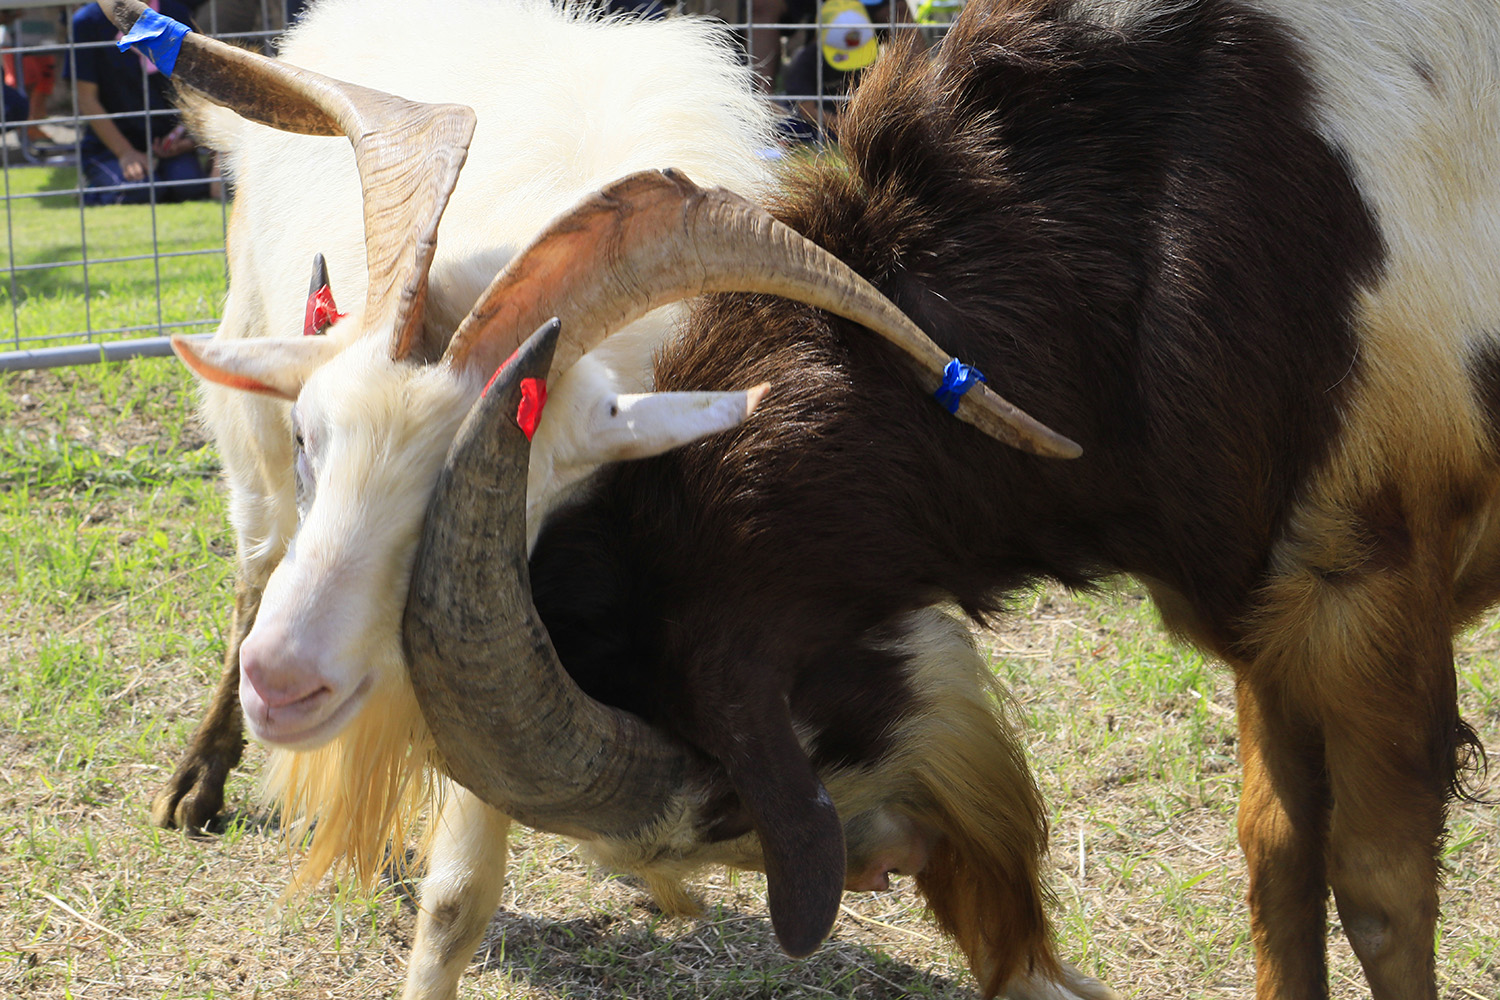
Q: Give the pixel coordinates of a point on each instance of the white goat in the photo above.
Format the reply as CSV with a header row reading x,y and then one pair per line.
x,y
328,494
564,102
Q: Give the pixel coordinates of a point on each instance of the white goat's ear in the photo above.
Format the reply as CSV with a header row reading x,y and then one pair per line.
x,y
618,427
639,425
276,366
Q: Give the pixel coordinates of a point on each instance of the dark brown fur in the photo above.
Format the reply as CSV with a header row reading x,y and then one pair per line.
x,y
1132,232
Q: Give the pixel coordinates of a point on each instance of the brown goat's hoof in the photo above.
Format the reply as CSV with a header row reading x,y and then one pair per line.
x,y
194,794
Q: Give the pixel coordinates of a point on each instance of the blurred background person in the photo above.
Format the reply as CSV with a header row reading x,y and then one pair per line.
x,y
821,72
144,144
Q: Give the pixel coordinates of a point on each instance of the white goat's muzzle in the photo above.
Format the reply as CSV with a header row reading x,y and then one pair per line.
x,y
288,701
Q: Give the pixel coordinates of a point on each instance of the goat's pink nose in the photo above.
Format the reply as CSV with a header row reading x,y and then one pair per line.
x,y
278,675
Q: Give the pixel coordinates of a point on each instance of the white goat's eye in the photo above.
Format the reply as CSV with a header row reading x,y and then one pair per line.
x,y
302,473
304,479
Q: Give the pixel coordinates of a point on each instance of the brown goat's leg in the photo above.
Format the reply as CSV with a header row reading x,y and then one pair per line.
x,y
194,794
982,820
1282,826
1358,642
465,876
1390,765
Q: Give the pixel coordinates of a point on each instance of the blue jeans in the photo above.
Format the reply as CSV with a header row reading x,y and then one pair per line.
x,y
101,169
16,108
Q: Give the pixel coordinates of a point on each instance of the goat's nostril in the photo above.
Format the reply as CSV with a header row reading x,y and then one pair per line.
x,y
279,682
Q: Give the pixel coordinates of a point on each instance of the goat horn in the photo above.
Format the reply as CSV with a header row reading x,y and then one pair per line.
x,y
408,154
508,722
656,237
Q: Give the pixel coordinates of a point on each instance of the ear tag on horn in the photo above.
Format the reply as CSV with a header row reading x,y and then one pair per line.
x,y
321,312
529,409
158,36
958,378
533,390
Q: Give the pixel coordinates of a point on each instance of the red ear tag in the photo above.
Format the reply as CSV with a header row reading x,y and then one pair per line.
x,y
321,312
529,410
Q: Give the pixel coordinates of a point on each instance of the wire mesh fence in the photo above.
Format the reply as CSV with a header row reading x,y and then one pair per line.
x,y
97,264
87,279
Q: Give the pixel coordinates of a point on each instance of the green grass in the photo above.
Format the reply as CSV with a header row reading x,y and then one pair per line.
x,y
44,307
115,582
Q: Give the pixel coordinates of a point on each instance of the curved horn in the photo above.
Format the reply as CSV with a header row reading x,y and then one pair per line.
x,y
656,237
508,722
408,154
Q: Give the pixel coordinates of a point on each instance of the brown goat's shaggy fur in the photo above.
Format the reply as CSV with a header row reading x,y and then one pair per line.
x,y
1142,223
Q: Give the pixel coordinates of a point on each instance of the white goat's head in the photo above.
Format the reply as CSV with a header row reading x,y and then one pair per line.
x,y
370,436
375,407
371,414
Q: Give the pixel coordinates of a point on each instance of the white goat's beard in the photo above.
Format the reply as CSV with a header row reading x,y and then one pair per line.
x,y
359,793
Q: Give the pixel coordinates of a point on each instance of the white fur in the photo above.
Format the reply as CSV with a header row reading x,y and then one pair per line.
x,y
1426,157
565,104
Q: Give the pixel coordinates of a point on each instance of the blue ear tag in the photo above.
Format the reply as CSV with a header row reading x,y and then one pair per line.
x,y
158,36
958,378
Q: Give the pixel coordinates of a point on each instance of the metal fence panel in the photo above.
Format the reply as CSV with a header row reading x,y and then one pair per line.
x,y
86,283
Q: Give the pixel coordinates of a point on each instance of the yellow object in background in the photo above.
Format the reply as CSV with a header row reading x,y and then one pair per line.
x,y
847,35
936,11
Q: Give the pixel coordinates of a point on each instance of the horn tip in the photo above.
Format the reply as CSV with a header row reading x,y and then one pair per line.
x,y
537,350
754,395
1068,448
122,13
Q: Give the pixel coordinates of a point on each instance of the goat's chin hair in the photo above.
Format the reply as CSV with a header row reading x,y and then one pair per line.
x,y
359,794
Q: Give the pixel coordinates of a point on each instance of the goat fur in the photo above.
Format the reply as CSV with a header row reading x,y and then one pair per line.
x,y
1247,253
566,102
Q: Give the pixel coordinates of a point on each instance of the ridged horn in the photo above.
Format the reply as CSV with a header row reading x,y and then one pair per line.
x,y
408,155
656,237
508,722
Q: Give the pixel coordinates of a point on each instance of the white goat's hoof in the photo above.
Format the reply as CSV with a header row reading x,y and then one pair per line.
x,y
1073,986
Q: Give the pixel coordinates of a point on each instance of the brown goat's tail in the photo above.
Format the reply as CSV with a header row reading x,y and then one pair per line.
x,y
971,785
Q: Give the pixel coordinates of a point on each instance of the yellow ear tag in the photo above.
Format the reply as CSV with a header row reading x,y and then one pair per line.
x,y
847,35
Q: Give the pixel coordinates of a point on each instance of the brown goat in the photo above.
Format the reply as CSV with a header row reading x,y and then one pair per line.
x,y
1247,255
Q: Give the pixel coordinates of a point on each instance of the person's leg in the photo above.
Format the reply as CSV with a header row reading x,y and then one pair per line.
x,y
102,179
764,43
15,108
176,169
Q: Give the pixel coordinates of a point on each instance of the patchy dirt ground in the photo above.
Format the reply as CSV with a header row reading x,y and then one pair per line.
x,y
114,583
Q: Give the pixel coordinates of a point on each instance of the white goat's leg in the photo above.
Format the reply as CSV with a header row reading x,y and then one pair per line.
x,y
194,794
459,895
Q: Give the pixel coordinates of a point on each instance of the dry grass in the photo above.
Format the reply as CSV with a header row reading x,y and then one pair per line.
x,y
114,586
